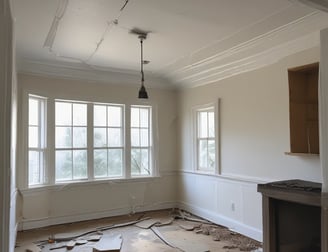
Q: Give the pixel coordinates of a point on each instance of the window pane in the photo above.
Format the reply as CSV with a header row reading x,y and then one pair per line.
x,y
202,124
79,114
145,161
114,116
64,165
100,163
211,154
63,137
79,137
135,137
135,117
202,158
63,113
33,112
140,162
144,117
99,115
99,137
80,164
115,162
114,137
144,138
135,162
211,127
33,137
33,168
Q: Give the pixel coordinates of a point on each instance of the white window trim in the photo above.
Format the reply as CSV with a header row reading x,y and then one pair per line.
x,y
150,140
154,138
93,148
49,180
42,132
195,109
72,148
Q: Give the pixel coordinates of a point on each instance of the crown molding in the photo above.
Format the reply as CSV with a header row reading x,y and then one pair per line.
x,y
72,71
249,63
291,30
233,55
320,5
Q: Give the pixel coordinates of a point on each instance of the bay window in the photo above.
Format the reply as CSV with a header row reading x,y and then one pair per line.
x,y
89,141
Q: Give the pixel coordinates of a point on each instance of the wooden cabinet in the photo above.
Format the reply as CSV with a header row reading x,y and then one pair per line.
x,y
303,109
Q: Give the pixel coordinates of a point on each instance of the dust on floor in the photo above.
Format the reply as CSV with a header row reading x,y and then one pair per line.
x,y
166,231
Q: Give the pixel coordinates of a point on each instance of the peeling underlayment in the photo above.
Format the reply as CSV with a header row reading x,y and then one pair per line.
x,y
167,231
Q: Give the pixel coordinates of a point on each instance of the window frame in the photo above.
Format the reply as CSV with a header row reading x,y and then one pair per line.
x,y
123,146
50,176
42,138
72,148
150,145
215,107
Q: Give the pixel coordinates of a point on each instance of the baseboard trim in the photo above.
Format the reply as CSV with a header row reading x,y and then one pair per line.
x,y
49,221
219,219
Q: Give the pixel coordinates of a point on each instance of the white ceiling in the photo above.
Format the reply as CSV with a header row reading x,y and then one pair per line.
x,y
191,42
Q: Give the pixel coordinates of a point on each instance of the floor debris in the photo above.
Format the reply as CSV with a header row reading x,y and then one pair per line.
x,y
70,245
109,243
187,225
160,236
236,240
28,248
147,223
93,238
164,221
161,231
81,242
187,216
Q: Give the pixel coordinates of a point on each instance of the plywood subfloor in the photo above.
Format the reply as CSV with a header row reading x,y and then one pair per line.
x,y
202,238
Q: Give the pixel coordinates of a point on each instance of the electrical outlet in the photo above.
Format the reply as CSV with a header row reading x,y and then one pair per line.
x,y
233,207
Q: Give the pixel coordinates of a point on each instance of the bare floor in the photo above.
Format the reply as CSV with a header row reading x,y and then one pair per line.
x,y
169,234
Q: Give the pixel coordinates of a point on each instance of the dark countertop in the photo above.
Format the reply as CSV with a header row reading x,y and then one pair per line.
x,y
293,185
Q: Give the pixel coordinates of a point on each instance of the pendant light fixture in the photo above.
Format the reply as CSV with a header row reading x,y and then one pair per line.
x,y
142,91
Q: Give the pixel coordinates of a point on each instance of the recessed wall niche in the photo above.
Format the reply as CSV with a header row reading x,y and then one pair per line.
x,y
303,109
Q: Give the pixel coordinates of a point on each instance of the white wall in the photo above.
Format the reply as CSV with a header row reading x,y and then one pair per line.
x,y
13,222
89,200
8,97
254,132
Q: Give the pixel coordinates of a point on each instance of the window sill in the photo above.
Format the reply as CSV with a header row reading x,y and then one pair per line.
x,y
302,154
72,184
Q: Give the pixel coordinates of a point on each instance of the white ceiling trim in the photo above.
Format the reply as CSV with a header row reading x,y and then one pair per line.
x,y
318,4
87,73
246,50
252,62
257,52
245,46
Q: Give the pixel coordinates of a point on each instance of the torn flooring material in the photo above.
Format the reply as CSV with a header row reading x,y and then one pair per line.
x,y
109,243
162,231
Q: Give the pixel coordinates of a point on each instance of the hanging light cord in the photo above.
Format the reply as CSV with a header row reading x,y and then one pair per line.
x,y
142,72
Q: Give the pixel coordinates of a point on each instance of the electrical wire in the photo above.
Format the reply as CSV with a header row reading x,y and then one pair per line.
x,y
61,9
59,15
